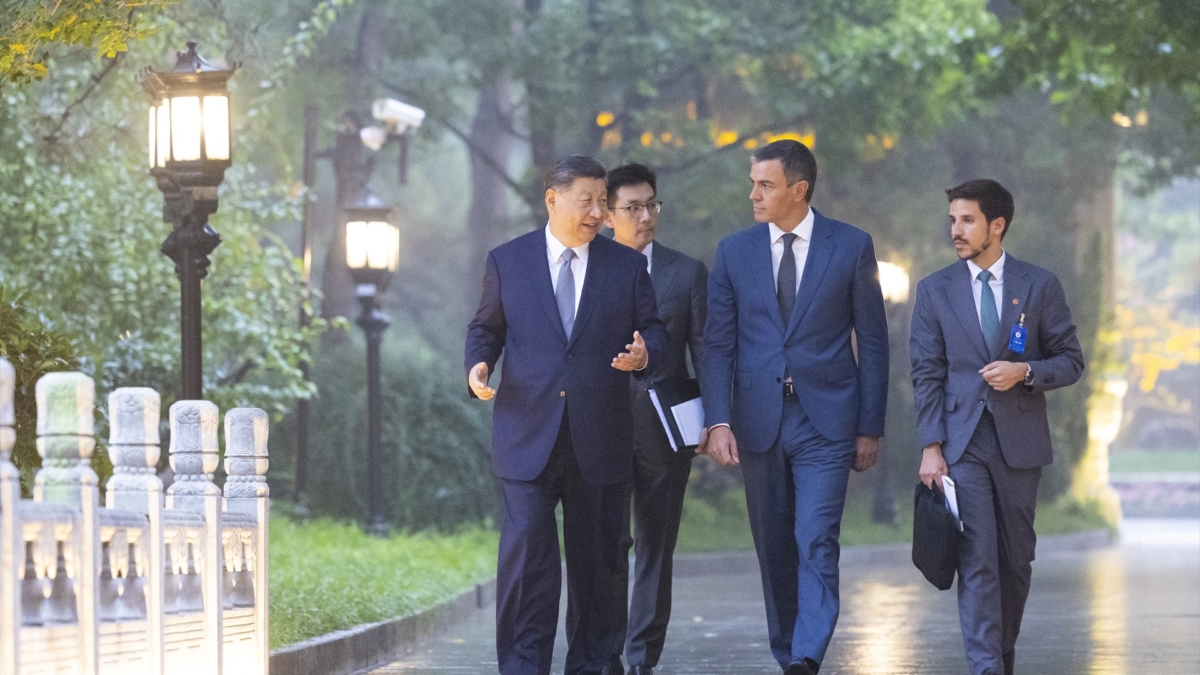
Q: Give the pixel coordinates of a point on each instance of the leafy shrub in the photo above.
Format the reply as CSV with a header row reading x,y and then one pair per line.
x,y
34,350
436,461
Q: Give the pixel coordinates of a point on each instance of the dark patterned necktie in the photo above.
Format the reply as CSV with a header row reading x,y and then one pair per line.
x,y
785,286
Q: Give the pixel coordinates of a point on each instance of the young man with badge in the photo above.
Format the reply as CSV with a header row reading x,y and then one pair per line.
x,y
990,335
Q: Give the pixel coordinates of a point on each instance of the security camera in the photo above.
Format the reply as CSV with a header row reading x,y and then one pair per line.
x,y
397,115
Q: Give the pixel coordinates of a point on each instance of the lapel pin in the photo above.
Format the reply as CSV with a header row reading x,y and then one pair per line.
x,y
1016,302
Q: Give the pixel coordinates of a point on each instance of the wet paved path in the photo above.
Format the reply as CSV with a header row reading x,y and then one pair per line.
x,y
1132,608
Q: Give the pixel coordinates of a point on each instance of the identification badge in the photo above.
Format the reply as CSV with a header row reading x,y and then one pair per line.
x,y
1016,339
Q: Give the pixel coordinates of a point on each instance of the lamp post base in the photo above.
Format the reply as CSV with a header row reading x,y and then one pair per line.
x,y
374,322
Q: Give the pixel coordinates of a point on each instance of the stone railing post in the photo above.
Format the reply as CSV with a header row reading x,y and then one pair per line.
x,y
10,530
66,438
246,492
134,448
194,457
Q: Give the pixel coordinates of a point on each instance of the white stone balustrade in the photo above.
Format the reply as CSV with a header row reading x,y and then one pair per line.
x,y
153,583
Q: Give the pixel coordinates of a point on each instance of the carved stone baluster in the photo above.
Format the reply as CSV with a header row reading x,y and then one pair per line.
x,y
66,428
246,491
12,550
110,590
194,458
134,446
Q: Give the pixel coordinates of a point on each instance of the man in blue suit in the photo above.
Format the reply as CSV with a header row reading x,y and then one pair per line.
x,y
990,335
573,314
784,395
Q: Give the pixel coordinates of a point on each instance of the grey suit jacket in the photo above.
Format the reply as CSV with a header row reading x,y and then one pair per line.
x,y
681,287
947,350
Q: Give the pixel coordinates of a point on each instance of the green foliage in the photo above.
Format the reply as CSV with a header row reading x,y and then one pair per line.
x,y
1100,57
328,576
436,463
29,27
82,224
33,350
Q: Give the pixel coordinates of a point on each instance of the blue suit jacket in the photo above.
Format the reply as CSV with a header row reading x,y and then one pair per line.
x,y
545,371
747,347
947,351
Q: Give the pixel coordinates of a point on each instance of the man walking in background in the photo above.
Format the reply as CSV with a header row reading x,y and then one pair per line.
x,y
990,335
573,314
784,394
660,474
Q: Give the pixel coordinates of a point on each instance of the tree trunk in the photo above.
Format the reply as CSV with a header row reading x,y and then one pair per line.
x,y
488,219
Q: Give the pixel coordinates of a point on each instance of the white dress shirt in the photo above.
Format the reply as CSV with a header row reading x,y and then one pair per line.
x,y
996,282
554,251
649,253
803,234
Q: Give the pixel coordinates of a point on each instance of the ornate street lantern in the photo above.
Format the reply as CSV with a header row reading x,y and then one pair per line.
x,y
372,255
372,243
188,152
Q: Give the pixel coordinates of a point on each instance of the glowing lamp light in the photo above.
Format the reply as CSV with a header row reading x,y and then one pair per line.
x,y
189,122
372,242
894,281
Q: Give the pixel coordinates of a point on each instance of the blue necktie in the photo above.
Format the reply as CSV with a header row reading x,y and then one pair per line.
x,y
989,320
564,293
785,286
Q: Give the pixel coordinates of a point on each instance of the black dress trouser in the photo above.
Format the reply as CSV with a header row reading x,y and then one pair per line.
x,y
529,572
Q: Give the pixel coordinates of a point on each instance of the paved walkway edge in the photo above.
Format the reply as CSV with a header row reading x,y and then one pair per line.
x,y
372,645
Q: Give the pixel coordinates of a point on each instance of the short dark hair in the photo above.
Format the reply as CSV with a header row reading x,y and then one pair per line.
x,y
630,174
993,199
798,162
566,170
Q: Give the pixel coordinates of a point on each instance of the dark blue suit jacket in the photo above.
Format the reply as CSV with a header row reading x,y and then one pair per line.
x,y
747,347
948,350
545,371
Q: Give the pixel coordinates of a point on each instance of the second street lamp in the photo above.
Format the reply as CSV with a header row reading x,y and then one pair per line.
x,y
189,150
372,254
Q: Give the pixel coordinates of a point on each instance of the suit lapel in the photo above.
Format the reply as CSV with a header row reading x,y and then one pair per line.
x,y
962,299
593,284
763,270
1016,295
820,249
544,287
662,271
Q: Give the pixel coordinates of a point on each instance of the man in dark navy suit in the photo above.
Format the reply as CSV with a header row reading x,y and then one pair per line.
x,y
784,395
990,335
660,473
573,315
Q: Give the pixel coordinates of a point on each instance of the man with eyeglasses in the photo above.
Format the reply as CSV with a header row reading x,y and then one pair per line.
x,y
660,474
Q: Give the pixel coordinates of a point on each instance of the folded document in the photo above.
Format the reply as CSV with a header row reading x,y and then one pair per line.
x,y
681,412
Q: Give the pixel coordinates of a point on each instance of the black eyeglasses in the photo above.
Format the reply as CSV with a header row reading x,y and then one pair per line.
x,y
635,210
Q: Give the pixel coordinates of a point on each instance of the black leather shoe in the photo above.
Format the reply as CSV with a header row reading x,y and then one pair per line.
x,y
640,670
613,667
801,668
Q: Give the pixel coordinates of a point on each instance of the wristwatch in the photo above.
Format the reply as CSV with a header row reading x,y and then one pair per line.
x,y
1028,374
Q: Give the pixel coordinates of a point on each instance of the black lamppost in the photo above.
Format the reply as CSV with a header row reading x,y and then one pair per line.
x,y
372,254
189,152
895,284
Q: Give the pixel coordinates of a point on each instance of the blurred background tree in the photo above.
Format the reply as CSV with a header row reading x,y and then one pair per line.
x,y
899,98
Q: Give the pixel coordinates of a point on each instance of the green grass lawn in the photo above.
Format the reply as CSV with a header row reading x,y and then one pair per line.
x,y
328,576
1141,461
706,528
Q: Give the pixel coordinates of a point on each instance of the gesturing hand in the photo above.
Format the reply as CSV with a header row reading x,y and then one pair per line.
x,y
478,381
634,357
722,446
